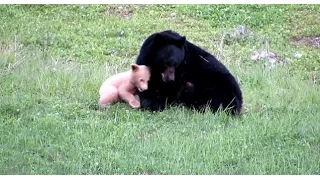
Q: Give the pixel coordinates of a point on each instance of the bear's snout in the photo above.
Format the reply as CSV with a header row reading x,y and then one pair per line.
x,y
168,74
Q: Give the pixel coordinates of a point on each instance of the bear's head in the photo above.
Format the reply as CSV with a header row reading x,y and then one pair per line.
x,y
140,75
168,53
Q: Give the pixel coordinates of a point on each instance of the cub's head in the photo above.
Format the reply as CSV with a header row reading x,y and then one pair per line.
x,y
140,76
169,52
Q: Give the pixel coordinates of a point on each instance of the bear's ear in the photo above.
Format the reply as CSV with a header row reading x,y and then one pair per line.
x,y
158,38
134,67
181,41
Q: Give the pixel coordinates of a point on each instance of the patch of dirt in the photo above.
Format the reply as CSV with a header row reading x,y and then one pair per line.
x,y
10,56
311,41
122,11
9,48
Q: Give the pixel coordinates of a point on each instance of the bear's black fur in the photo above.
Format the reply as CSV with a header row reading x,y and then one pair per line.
x,y
212,83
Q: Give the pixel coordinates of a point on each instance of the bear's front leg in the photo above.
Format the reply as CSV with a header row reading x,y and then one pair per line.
x,y
149,102
130,99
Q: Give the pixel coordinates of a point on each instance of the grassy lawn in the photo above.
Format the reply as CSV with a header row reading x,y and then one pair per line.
x,y
53,59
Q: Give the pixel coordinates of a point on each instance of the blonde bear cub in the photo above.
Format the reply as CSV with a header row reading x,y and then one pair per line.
x,y
124,86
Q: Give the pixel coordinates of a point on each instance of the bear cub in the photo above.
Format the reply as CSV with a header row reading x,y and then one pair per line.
x,y
124,86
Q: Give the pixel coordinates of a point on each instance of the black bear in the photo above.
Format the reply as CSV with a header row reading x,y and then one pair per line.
x,y
175,62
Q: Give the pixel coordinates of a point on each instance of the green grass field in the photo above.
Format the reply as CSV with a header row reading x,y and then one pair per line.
x,y
53,59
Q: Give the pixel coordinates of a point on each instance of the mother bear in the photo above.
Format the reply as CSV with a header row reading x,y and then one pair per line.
x,y
176,62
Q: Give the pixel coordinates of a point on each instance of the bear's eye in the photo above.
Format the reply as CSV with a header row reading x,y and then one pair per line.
x,y
142,80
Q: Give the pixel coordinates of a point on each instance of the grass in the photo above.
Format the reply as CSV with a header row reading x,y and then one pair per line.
x,y
55,57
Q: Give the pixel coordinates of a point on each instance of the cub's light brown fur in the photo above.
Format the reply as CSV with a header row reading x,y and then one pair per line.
x,y
124,86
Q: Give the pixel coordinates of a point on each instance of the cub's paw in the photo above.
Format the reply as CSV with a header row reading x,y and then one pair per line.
x,y
134,104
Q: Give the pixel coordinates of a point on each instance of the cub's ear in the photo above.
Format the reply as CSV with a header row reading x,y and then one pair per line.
x,y
182,41
134,67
